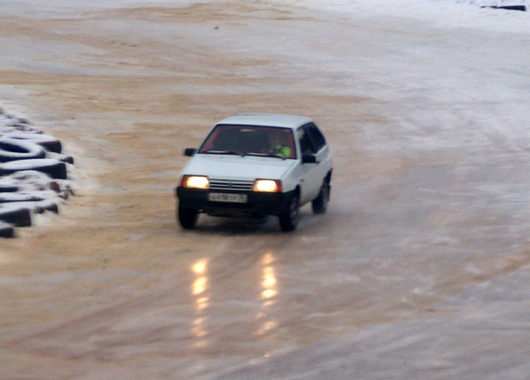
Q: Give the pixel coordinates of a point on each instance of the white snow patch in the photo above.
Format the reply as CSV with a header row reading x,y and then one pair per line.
x,y
441,13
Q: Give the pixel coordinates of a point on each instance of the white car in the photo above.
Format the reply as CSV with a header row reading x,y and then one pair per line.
x,y
256,165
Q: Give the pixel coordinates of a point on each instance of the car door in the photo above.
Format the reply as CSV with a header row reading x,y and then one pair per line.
x,y
307,173
322,154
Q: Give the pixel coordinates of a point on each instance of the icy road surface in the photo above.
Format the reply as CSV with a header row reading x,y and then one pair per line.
x,y
421,268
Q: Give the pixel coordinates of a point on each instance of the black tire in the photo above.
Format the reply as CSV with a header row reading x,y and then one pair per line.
x,y
6,230
290,218
48,142
22,197
320,203
61,157
13,149
8,188
187,217
17,215
41,207
54,168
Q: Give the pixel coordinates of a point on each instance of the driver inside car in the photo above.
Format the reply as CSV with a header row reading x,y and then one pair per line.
x,y
280,144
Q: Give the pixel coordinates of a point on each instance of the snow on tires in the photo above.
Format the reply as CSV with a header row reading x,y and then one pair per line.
x,y
11,150
48,142
33,173
50,166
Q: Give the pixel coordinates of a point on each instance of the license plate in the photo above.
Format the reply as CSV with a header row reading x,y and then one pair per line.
x,y
230,198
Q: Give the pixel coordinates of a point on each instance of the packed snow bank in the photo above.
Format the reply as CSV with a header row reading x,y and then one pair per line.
x,y
493,3
489,3
440,13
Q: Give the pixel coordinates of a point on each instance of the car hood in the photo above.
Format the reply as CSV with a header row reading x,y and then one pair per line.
x,y
237,167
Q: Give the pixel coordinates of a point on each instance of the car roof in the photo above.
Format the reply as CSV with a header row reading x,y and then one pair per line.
x,y
267,119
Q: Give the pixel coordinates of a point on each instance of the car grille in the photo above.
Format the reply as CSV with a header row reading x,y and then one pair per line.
x,y
230,185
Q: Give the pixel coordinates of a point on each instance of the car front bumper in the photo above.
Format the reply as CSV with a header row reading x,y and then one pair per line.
x,y
257,203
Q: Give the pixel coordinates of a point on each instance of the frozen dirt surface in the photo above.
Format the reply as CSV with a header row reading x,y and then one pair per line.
x,y
420,269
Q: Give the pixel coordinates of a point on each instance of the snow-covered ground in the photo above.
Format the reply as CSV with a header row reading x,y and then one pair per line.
x,y
419,270
451,14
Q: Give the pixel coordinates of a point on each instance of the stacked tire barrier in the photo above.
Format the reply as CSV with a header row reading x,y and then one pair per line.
x,y
33,173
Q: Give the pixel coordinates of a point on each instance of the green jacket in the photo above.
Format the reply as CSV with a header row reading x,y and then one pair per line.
x,y
280,151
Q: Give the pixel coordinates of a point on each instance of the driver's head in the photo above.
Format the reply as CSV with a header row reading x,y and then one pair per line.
x,y
279,138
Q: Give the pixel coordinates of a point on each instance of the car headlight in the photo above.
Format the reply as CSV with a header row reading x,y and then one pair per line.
x,y
267,186
195,182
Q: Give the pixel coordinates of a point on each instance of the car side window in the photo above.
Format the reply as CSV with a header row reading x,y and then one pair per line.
x,y
306,145
316,137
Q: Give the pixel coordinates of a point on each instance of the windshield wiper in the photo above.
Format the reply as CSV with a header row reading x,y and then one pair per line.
x,y
220,151
265,155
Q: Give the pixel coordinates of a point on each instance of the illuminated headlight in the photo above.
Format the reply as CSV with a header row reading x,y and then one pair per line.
x,y
195,182
267,186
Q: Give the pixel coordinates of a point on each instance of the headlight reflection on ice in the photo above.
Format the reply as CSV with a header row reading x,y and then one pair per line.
x,y
199,291
269,291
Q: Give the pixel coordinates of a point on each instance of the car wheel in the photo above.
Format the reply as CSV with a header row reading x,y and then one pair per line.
x,y
187,217
320,203
289,219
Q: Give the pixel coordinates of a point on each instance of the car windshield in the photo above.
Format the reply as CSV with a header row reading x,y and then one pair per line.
x,y
247,140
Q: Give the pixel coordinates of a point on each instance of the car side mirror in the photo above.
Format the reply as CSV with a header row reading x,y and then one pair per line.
x,y
190,152
309,159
